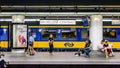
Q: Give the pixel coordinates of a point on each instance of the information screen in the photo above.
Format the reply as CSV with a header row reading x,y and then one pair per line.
x,y
19,36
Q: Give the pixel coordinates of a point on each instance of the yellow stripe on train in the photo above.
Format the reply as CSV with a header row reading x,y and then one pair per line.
x,y
68,44
4,27
45,44
115,44
63,27
69,27
4,44
59,44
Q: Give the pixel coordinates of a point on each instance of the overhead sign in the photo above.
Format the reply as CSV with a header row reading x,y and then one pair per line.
x,y
57,22
115,22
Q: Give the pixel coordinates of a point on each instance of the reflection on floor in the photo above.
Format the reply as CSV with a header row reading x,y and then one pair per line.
x,y
62,58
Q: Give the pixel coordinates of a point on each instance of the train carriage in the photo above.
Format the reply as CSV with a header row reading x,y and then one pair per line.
x,y
67,38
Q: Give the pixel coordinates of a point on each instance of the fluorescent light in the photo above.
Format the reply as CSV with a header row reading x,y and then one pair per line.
x,y
107,20
78,19
5,19
74,13
24,20
32,20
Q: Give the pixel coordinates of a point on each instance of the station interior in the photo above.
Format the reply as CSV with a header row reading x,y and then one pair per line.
x,y
69,23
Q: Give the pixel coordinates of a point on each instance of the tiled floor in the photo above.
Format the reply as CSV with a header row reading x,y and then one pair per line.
x,y
62,58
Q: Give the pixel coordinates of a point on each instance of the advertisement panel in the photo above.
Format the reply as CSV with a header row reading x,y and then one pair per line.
x,y
19,36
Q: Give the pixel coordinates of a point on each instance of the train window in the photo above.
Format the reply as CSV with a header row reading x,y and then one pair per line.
x,y
46,33
68,34
109,34
3,34
84,34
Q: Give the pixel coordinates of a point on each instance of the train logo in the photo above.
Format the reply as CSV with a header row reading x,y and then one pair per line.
x,y
69,44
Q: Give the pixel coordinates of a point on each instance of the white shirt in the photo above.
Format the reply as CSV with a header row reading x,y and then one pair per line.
x,y
31,39
100,46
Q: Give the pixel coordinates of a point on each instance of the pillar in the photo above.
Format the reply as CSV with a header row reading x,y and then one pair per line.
x,y
18,18
96,30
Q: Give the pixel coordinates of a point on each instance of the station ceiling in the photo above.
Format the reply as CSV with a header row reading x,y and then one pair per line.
x,y
59,2
59,6
48,8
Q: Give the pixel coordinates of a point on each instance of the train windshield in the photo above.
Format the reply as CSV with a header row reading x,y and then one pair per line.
x,y
46,33
68,34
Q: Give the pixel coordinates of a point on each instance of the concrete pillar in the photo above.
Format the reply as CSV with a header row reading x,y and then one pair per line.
x,y
18,18
96,30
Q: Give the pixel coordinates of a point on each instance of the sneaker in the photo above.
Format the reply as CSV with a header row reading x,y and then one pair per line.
x,y
76,55
107,57
31,54
113,55
2,54
51,53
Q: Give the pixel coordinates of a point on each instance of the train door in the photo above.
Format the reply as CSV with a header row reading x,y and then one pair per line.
x,y
4,35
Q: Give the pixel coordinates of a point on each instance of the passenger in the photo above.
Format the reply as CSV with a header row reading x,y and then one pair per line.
x,y
100,47
3,64
51,40
30,49
87,49
107,49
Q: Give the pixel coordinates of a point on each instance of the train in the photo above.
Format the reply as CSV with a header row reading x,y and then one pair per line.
x,y
67,38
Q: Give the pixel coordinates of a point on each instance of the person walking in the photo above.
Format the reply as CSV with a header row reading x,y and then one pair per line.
x,y
30,49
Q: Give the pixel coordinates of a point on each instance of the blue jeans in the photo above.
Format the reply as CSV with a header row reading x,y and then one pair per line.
x,y
87,51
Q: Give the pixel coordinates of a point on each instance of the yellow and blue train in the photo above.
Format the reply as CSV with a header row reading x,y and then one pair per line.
x,y
66,37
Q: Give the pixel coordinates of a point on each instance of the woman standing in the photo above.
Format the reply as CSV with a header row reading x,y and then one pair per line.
x,y
30,49
51,40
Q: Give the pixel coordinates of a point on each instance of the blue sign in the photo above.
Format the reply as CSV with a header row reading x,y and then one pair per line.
x,y
85,21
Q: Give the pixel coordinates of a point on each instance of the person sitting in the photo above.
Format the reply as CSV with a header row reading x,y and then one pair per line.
x,y
100,47
107,49
3,63
87,49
